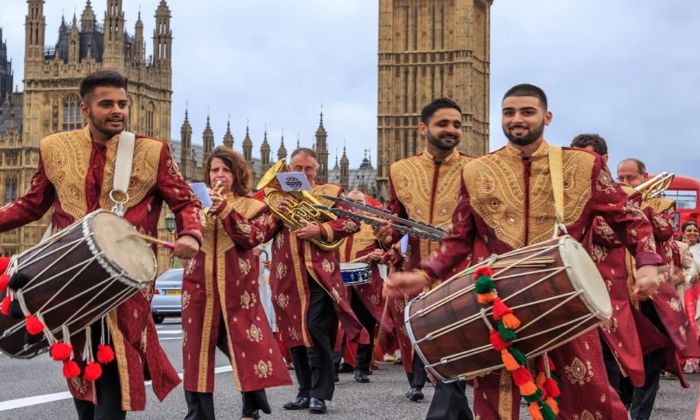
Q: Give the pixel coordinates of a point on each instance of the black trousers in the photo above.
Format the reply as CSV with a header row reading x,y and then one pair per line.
x,y
641,400
364,351
313,366
418,377
450,402
109,398
612,368
200,405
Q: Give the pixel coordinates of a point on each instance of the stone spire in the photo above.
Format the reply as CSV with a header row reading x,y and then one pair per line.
x,y
114,35
265,153
344,169
228,137
88,20
208,139
162,37
74,44
139,43
186,160
34,27
282,151
321,147
247,146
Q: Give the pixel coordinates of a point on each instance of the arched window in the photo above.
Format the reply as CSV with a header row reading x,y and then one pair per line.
x,y
72,118
150,112
10,189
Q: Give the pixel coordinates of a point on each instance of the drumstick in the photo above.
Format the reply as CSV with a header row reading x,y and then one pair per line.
x,y
164,244
358,259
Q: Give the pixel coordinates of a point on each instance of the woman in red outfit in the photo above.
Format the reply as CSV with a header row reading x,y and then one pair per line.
x,y
220,300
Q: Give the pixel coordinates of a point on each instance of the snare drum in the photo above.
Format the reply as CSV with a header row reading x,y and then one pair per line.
x,y
553,287
355,274
77,276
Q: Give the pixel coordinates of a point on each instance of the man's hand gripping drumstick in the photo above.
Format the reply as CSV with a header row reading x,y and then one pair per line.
x,y
646,282
185,247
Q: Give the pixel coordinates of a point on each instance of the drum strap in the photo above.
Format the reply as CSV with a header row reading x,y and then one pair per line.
x,y
122,171
557,175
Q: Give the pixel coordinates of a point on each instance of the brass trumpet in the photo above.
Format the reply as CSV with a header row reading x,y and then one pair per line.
x,y
301,206
655,186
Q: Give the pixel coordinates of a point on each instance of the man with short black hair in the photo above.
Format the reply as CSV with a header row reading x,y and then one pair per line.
x,y
74,178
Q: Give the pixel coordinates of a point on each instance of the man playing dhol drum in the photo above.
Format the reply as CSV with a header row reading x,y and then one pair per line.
x,y
74,177
221,304
506,204
423,188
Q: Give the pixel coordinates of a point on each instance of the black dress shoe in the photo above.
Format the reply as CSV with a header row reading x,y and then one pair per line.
x,y
317,406
298,404
345,368
416,394
361,377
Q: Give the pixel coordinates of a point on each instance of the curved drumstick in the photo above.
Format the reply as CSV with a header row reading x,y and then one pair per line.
x,y
164,244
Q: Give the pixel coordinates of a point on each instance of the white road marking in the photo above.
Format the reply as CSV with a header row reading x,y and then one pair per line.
x,y
58,396
169,332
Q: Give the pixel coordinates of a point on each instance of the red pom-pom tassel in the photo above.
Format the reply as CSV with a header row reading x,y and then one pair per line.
x,y
34,326
105,354
5,306
70,369
4,262
4,280
60,351
521,376
483,271
499,309
551,388
93,370
497,342
540,363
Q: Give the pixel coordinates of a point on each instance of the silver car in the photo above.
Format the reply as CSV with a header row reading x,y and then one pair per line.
x,y
167,295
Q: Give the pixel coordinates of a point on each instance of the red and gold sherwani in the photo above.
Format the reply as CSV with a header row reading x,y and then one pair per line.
x,y
620,332
426,191
506,204
222,286
358,245
293,260
74,178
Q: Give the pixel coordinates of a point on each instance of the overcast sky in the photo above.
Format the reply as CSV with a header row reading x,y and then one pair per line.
x,y
627,69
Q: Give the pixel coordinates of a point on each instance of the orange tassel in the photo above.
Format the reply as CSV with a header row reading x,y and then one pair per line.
x,y
535,413
552,403
485,298
510,321
528,388
509,361
541,378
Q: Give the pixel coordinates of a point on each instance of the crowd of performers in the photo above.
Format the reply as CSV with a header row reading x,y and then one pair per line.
x,y
488,205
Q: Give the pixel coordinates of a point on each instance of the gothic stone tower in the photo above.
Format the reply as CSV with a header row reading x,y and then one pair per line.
x,y
429,49
52,77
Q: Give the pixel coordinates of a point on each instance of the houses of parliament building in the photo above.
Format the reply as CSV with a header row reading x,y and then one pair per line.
x,y
427,48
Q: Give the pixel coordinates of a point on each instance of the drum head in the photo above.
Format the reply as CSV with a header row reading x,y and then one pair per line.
x,y
584,275
353,266
126,252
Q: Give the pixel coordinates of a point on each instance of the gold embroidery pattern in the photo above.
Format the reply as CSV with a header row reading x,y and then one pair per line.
x,y
244,265
412,179
501,204
374,299
282,300
598,253
505,395
293,333
609,325
579,372
263,369
327,266
243,228
66,157
248,300
144,172
279,241
587,415
349,226
675,304
281,270
254,333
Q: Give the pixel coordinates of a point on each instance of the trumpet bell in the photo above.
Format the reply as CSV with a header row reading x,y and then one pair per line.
x,y
269,179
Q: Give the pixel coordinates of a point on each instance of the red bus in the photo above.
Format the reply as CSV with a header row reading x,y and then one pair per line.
x,y
685,191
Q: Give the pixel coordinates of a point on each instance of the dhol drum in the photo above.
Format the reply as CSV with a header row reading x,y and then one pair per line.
x,y
355,274
553,287
74,278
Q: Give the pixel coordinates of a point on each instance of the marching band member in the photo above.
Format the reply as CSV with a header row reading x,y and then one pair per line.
x,y
221,304
365,299
622,341
506,204
423,188
308,293
74,178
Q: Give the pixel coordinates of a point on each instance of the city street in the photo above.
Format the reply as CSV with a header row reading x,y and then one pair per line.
x,y
35,390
